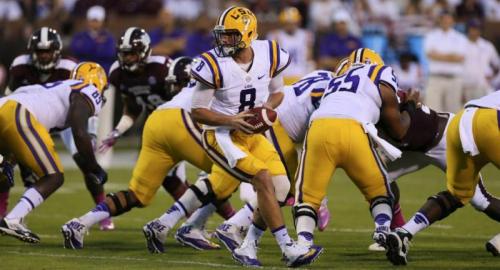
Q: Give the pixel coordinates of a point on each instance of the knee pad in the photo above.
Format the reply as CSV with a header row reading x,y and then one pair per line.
x,y
247,194
122,208
203,191
447,202
304,210
281,187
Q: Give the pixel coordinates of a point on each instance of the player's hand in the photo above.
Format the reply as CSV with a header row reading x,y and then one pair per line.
x,y
238,122
99,176
110,140
413,94
7,171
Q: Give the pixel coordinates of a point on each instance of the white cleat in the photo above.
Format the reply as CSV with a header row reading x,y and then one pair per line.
x,y
376,247
296,255
493,245
15,228
156,234
73,232
230,235
194,237
246,254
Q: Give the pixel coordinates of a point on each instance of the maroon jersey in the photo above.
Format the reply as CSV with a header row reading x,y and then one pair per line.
x,y
146,87
23,72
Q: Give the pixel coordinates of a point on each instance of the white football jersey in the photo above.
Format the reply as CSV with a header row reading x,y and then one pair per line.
x,y
182,100
300,101
356,95
491,100
298,46
237,90
49,103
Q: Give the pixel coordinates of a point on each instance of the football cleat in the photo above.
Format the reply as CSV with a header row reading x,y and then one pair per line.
x,y
380,235
376,247
16,229
493,245
188,235
156,234
247,254
398,245
106,224
73,232
230,235
296,255
323,215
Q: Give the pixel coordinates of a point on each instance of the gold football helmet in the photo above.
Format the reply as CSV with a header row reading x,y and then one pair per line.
x,y
290,15
236,28
342,66
91,73
365,56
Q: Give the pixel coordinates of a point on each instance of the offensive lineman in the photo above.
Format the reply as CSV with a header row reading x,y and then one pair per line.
x,y
239,74
26,123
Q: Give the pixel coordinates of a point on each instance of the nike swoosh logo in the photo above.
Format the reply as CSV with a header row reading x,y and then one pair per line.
x,y
260,77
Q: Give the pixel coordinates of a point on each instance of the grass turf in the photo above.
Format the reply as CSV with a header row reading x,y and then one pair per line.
x,y
455,243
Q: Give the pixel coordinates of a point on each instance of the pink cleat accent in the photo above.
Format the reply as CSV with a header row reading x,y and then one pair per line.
x,y
290,201
106,225
323,215
398,220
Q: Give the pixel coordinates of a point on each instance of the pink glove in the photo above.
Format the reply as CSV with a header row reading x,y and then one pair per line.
x,y
110,140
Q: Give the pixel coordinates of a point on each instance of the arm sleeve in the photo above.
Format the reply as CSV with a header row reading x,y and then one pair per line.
x,y
388,77
93,97
276,84
284,60
202,96
205,70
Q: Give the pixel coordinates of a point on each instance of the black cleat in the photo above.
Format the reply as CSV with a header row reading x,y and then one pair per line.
x,y
398,245
17,230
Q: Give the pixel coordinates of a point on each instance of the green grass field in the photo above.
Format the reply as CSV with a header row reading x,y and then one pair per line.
x,y
455,243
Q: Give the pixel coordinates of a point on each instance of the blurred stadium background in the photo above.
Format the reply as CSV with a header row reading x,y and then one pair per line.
x,y
397,29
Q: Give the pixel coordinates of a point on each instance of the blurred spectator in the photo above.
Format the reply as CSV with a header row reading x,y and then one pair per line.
x,y
434,8
445,49
492,8
137,7
184,9
337,44
481,63
201,39
96,43
298,42
10,11
469,10
321,12
384,10
409,72
167,39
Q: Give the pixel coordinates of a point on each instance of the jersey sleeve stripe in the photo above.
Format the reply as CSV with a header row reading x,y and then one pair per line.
x,y
213,68
273,59
375,72
202,80
78,87
284,67
221,78
379,73
370,71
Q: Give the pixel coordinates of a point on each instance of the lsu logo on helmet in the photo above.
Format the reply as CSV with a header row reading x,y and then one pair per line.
x,y
365,56
236,28
91,73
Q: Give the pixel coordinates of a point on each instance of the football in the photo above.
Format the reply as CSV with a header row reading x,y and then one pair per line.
x,y
263,118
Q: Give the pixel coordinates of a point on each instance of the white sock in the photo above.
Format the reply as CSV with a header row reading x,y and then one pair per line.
x,y
200,216
254,234
173,215
282,237
243,217
305,230
417,223
382,215
29,201
100,212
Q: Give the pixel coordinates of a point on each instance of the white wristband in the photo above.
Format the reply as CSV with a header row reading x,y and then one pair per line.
x,y
125,123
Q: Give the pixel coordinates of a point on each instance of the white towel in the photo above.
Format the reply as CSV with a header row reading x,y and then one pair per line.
x,y
230,150
389,150
465,130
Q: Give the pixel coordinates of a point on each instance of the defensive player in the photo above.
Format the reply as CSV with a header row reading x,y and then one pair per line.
x,y
471,143
350,107
169,137
45,64
239,74
26,123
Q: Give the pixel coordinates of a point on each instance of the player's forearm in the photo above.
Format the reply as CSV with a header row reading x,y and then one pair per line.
x,y
208,117
83,142
274,100
125,123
